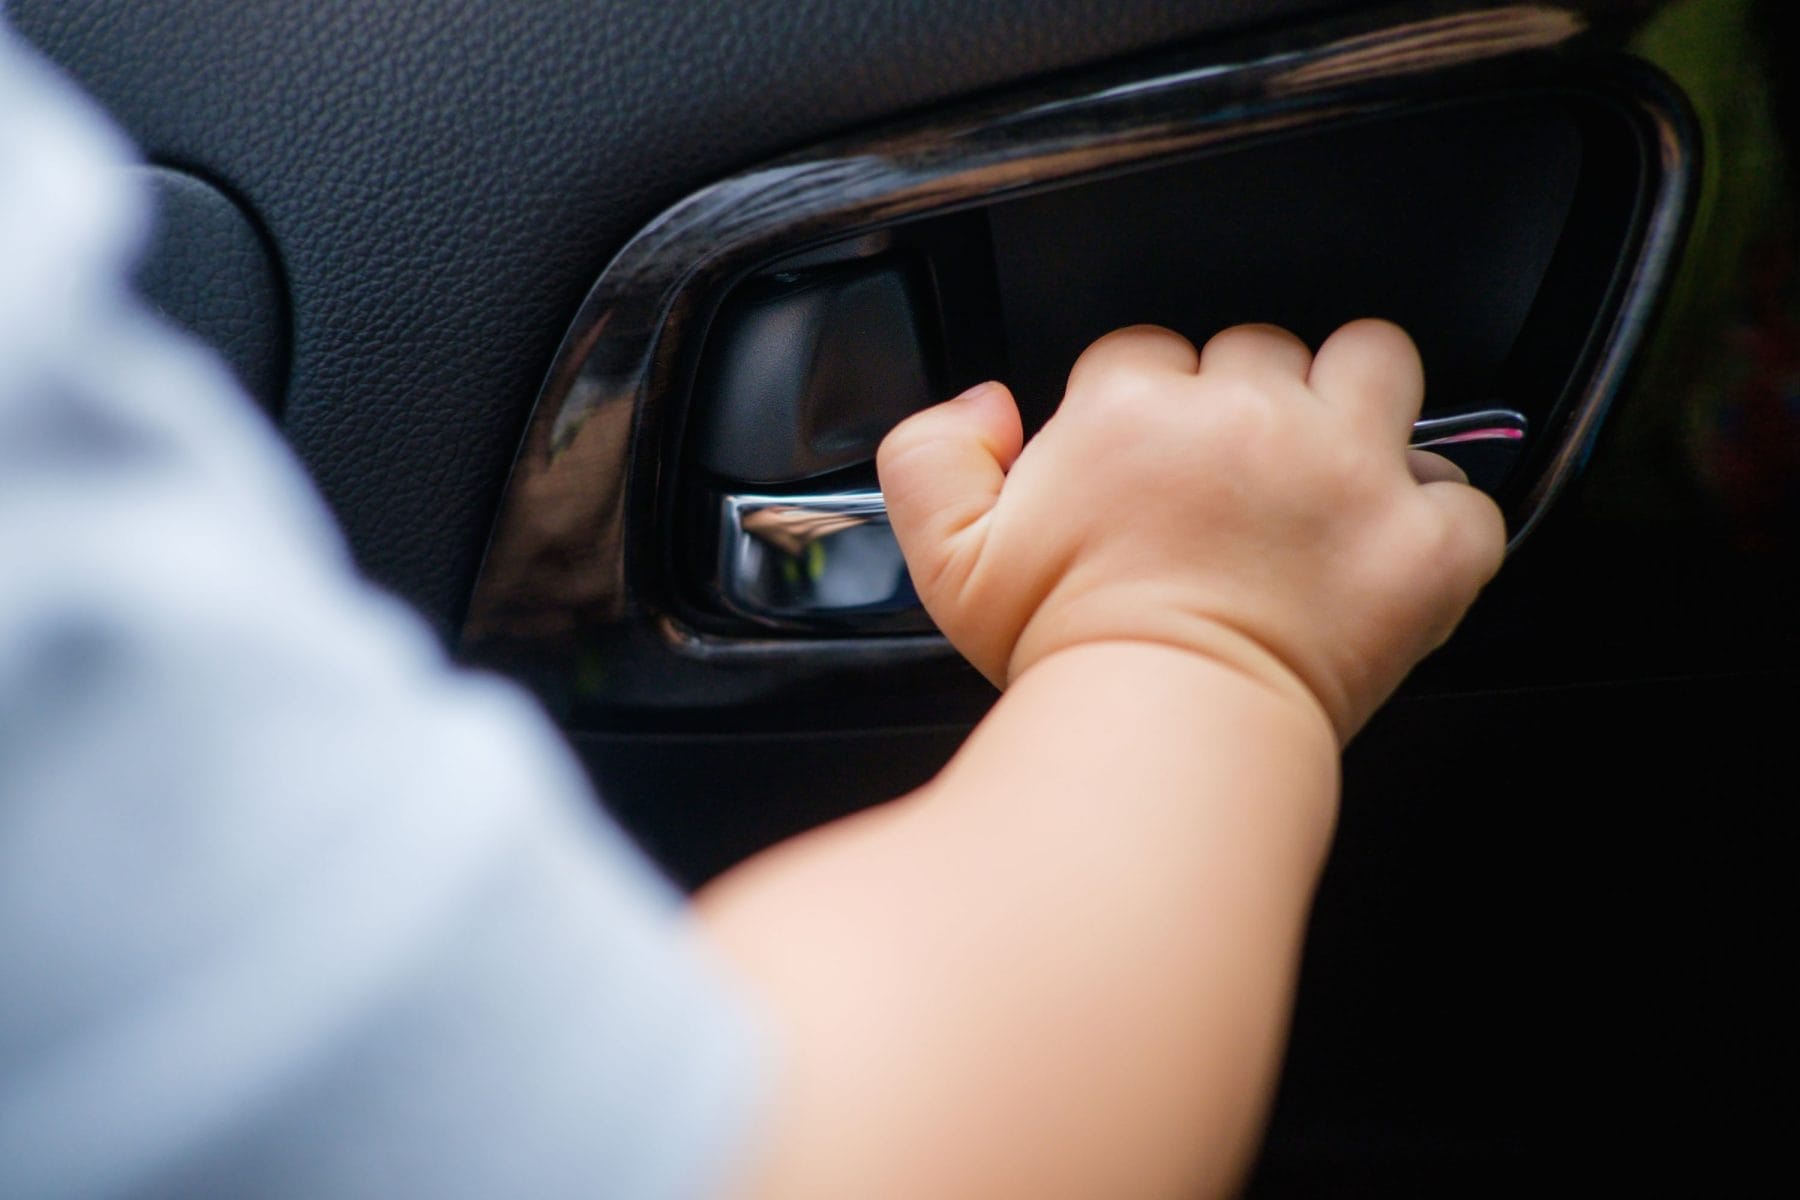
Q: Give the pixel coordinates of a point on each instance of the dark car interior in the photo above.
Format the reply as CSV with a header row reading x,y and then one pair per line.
x,y
586,318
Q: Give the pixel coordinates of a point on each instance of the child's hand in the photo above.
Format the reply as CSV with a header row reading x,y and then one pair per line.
x,y
1251,502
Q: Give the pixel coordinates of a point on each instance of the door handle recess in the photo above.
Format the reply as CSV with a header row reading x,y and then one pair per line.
x,y
625,577
827,562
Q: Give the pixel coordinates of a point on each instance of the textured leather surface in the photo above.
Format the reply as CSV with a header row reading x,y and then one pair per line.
x,y
207,270
443,180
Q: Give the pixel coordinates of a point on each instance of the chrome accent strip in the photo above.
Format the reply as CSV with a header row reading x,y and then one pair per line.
x,y
1484,425
579,557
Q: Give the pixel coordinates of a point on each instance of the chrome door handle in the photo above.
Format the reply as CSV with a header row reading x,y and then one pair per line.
x,y
827,562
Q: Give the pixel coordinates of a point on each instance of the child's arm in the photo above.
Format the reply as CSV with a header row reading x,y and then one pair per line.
x,y
1064,967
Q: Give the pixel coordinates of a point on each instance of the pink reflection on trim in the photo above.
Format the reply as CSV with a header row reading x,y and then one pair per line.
x,y
1497,433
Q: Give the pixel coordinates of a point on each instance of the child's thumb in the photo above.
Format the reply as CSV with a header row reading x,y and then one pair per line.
x,y
941,471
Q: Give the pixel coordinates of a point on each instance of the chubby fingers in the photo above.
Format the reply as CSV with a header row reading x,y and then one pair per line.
x,y
1372,370
1253,351
1256,352
1141,350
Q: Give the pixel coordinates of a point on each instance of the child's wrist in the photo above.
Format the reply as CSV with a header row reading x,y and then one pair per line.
x,y
1191,636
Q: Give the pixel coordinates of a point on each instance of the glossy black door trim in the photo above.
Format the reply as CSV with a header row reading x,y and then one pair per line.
x,y
569,594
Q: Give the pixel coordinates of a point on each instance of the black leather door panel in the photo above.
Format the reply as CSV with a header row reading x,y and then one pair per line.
x,y
443,181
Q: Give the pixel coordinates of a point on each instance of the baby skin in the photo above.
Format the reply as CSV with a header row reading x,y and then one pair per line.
x,y
1064,967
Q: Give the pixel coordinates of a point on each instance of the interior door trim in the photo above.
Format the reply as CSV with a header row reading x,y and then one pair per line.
x,y
570,594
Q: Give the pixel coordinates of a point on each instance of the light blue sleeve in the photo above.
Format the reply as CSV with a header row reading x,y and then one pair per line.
x,y
288,905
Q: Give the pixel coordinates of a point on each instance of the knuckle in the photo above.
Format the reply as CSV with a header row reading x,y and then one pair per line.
x,y
1255,334
1380,339
1144,334
1101,352
1128,348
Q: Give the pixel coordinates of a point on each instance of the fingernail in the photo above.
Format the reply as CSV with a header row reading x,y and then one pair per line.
x,y
985,388
1427,467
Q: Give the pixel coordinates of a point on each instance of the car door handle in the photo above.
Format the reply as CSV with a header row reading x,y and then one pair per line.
x,y
827,562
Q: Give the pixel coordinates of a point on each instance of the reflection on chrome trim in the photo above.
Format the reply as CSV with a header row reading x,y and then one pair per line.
x,y
1484,425
819,563
1433,44
580,554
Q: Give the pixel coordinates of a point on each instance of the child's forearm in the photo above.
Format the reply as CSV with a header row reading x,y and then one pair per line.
x,y
1064,967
